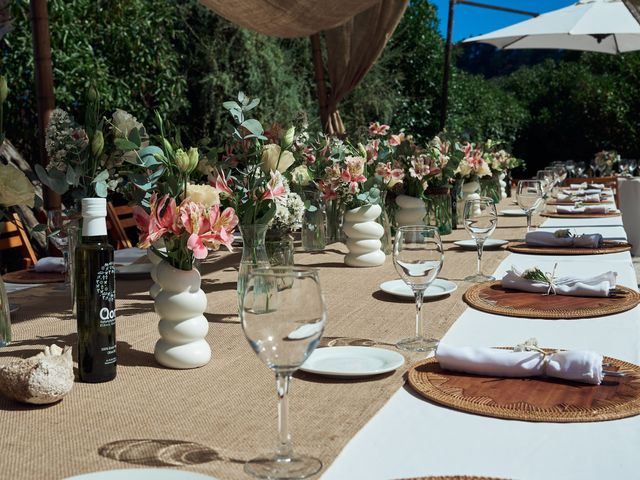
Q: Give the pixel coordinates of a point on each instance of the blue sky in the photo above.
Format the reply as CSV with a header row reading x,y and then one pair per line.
x,y
470,21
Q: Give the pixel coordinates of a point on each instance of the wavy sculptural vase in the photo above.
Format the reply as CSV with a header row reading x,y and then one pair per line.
x,y
363,237
411,211
183,327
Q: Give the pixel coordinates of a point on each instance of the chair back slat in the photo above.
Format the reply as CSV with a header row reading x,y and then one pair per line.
x,y
14,236
118,220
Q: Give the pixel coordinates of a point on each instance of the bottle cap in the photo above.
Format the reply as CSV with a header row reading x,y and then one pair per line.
x,y
94,207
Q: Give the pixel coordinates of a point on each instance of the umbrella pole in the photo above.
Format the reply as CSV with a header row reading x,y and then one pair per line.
x,y
44,86
447,66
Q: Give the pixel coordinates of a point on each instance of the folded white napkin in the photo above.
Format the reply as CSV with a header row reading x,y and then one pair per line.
x,y
577,365
596,286
540,238
582,193
587,198
50,265
594,209
578,186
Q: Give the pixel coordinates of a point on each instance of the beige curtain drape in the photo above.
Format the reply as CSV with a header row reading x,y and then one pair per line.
x,y
353,48
634,8
288,18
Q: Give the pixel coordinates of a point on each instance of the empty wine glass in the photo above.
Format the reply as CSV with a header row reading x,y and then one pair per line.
x,y
633,164
529,195
570,165
480,220
580,168
283,316
418,257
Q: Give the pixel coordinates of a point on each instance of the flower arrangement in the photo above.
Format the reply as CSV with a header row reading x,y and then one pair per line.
x,y
471,164
288,216
605,160
83,160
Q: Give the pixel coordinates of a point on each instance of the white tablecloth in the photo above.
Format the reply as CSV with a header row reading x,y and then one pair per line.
x,y
411,437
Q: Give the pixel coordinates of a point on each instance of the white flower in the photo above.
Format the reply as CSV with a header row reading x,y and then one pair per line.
x,y
273,158
123,123
204,194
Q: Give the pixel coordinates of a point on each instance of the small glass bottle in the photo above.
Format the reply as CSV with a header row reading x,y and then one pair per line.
x,y
95,296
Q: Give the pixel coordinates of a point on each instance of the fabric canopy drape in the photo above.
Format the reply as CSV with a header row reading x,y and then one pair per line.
x,y
352,49
634,8
288,18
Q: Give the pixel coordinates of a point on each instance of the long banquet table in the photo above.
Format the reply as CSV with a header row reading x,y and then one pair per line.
x,y
212,419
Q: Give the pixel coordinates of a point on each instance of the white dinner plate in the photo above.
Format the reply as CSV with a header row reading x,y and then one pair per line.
x,y
134,270
142,474
438,288
489,243
352,361
513,212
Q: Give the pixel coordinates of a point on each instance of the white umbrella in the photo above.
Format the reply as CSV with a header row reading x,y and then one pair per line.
x,y
604,26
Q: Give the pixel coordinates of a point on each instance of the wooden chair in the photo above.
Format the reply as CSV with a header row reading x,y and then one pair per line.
x,y
14,236
119,219
608,182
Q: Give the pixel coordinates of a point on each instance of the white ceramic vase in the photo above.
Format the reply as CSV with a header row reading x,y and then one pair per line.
x,y
411,211
470,191
155,260
363,236
183,327
503,185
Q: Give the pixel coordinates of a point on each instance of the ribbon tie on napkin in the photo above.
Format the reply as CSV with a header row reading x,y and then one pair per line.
x,y
597,286
551,239
577,365
50,265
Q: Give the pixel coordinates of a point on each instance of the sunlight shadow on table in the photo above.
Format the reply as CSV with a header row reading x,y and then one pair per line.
x,y
161,453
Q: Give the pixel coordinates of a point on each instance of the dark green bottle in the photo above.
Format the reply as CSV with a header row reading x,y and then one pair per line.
x,y
95,296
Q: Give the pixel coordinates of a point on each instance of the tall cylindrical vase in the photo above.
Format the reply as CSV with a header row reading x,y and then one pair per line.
x,y
363,237
490,188
411,211
438,203
254,255
5,316
183,327
335,217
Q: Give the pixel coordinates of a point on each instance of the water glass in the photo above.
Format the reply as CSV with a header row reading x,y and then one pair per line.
x,y
418,257
529,195
283,316
480,220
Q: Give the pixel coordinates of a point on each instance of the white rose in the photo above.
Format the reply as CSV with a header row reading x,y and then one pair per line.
x,y
300,176
204,194
273,159
124,122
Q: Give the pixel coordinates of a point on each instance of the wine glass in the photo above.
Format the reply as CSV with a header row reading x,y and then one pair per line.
x,y
283,316
418,257
480,220
570,165
580,169
633,164
529,195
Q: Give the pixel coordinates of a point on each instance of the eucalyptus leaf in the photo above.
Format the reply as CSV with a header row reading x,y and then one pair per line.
x,y
102,176
134,137
253,104
253,126
231,105
101,189
124,144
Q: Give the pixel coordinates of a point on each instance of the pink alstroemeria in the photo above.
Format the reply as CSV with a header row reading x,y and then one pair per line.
x,y
372,148
391,176
160,221
218,182
222,226
376,129
395,140
328,190
354,173
275,188
196,224
420,167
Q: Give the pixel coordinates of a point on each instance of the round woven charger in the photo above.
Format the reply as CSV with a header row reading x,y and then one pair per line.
x,y
608,246
452,477
571,202
492,298
31,276
579,215
531,399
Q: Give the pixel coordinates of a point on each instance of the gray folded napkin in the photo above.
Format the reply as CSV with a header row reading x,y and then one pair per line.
x,y
50,265
549,239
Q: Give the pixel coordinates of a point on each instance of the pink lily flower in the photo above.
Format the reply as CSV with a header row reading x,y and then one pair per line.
x,y
275,188
161,220
376,129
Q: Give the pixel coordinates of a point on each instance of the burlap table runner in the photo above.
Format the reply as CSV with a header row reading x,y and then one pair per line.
x,y
212,419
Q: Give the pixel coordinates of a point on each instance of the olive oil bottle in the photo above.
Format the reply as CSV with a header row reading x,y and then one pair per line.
x,y
95,296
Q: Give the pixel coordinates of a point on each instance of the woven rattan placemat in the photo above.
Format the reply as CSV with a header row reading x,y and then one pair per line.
x,y
452,477
31,276
492,298
531,399
608,246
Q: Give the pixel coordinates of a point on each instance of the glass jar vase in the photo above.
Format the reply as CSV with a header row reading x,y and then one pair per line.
x,y
439,209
